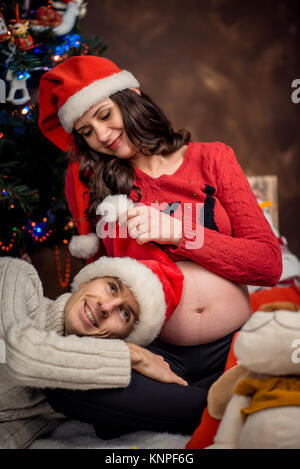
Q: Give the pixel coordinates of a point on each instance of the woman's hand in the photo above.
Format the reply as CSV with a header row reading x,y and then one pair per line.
x,y
147,224
153,366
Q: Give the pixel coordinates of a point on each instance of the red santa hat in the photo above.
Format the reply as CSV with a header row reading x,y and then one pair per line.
x,y
71,88
157,288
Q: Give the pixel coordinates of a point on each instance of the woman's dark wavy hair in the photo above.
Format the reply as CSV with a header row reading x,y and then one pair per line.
x,y
146,127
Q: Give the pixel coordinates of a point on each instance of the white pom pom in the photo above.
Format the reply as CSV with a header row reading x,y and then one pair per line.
x,y
84,246
114,207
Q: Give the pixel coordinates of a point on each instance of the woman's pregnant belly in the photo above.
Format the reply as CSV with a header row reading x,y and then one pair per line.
x,y
210,308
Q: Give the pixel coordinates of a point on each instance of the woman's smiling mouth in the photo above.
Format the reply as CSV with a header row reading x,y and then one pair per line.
x,y
115,143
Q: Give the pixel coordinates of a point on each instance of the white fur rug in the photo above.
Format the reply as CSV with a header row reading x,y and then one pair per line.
x,y
77,435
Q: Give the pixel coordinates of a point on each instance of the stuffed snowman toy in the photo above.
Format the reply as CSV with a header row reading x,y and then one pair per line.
x,y
264,410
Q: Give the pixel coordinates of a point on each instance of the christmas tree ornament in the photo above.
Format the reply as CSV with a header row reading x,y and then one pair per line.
x,y
69,19
45,19
62,5
4,31
18,92
20,35
19,32
10,52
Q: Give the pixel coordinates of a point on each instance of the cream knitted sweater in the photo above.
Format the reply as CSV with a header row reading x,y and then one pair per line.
x,y
38,356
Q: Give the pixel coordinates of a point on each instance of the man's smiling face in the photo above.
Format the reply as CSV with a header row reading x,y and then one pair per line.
x,y
103,307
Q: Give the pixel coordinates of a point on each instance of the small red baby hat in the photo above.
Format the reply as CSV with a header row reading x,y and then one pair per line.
x,y
71,88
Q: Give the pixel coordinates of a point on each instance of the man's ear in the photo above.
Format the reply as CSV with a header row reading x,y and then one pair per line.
x,y
136,90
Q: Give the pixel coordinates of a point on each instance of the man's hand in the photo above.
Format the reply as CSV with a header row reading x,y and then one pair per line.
x,y
153,366
147,224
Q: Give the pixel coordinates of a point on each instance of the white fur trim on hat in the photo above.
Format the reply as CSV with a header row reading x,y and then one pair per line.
x,y
92,94
144,284
113,207
84,246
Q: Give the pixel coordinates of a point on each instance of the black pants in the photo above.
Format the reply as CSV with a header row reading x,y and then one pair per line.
x,y
147,404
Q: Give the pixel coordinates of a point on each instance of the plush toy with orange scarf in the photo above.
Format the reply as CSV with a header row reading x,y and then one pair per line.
x,y
208,427
258,400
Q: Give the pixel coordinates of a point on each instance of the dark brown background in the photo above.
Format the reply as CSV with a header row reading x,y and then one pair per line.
x,y
222,69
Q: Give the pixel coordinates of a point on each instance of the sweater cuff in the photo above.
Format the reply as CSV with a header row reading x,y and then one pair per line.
x,y
192,238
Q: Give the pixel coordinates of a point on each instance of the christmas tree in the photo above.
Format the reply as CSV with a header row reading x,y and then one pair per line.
x,y
34,37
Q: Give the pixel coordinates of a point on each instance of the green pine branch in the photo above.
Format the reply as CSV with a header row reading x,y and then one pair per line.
x,y
24,62
17,193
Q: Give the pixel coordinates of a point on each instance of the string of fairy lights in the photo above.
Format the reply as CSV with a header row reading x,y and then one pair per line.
x,y
38,231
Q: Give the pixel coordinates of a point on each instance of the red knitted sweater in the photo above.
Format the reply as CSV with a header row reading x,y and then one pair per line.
x,y
238,242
